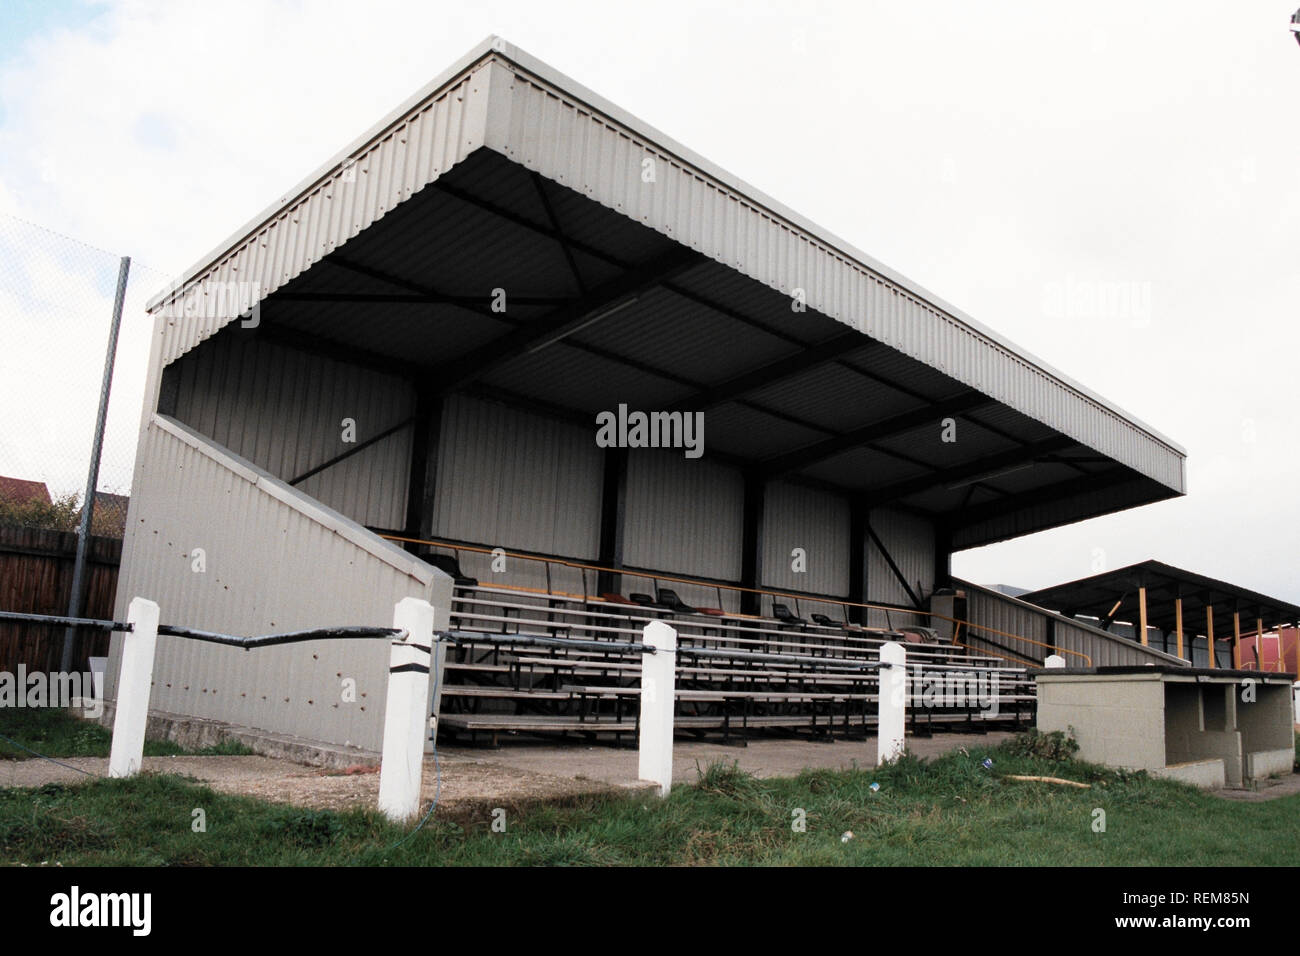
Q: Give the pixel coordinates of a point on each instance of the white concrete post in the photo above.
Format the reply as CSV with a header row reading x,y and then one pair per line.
x,y
1054,660
406,717
893,703
658,694
134,683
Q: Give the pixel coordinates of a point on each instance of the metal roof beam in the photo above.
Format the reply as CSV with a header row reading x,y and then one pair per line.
x,y
507,214
379,275
810,357
549,329
876,431
595,252
972,469
1053,492
415,298
341,352
559,235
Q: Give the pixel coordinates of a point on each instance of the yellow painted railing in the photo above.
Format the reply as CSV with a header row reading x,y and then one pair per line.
x,y
888,610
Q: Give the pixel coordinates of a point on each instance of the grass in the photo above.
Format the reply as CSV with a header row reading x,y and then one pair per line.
x,y
949,811
57,733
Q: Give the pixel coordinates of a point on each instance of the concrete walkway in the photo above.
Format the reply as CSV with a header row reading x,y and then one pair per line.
x,y
1269,789
763,758
474,781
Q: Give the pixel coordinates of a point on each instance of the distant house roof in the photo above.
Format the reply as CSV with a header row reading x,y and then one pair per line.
x,y
21,491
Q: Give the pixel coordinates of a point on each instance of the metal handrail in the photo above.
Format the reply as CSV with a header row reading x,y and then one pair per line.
x,y
732,587
650,576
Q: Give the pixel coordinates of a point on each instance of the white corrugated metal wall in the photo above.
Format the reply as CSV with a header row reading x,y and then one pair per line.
x,y
283,410
683,516
273,561
910,542
510,479
795,516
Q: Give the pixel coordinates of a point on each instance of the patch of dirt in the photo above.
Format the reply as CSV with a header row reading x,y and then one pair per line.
x,y
1269,789
467,787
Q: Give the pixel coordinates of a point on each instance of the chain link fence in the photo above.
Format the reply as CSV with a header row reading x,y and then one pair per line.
x,y
57,298
56,307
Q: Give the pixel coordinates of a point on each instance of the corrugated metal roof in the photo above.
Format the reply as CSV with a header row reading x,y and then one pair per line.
x,y
547,152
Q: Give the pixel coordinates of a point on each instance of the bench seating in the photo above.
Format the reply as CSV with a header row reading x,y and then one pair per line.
x,y
493,686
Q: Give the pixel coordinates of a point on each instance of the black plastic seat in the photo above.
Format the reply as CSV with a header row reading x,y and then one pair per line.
x,y
782,614
824,621
669,599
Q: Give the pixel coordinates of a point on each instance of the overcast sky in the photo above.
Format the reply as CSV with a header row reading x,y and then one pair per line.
x,y
1113,186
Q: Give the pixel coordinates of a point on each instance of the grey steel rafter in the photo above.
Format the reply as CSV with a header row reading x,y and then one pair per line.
x,y
875,432
971,469
551,328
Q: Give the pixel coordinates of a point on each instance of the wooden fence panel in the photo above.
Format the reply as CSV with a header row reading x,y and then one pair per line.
x,y
36,578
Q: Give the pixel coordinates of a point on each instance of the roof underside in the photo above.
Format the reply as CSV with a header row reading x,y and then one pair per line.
x,y
1114,596
605,306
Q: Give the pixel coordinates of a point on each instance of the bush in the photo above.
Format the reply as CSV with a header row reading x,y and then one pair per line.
x,y
62,514
1053,746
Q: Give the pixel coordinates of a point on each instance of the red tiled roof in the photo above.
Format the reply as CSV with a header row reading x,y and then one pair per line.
x,y
20,491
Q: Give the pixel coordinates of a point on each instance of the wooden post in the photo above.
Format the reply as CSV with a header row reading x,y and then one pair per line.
x,y
134,682
1209,631
1236,639
1259,643
1142,615
1178,623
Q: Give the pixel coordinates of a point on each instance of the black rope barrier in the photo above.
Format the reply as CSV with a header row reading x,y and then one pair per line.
x,y
213,637
289,637
85,622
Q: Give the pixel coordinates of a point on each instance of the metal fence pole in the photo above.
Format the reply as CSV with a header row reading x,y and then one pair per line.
x,y
92,477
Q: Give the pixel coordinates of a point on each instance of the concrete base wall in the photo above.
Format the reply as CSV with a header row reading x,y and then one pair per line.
x,y
1265,763
196,733
1265,722
1206,774
1116,723
1226,746
1211,730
